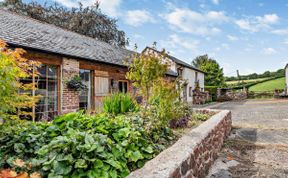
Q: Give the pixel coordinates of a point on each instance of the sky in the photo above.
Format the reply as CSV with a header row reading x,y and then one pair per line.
x,y
245,35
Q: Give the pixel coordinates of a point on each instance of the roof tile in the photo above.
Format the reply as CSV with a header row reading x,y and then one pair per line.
x,y
31,33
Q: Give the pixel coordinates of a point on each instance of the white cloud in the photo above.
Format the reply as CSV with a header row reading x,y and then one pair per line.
x,y
280,32
232,38
68,3
269,51
255,24
109,7
186,20
216,2
269,18
285,42
138,17
179,43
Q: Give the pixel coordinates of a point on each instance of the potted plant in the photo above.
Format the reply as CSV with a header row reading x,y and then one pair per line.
x,y
76,84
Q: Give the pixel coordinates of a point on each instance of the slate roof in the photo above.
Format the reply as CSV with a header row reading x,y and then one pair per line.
x,y
172,73
177,61
26,32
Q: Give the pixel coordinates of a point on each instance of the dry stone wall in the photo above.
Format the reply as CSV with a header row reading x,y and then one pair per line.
x,y
193,154
231,95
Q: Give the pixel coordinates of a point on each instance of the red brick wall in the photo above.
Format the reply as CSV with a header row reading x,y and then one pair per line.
x,y
69,98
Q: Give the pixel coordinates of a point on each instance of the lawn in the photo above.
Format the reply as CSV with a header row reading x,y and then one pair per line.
x,y
270,85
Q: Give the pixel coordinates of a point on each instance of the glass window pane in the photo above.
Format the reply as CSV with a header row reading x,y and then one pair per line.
x,y
125,87
85,95
120,84
52,72
42,71
47,89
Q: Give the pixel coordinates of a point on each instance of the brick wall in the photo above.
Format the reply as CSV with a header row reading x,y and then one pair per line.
x,y
70,98
193,154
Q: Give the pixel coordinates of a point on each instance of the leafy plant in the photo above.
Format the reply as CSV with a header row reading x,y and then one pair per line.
x,y
214,72
183,114
14,67
146,70
119,103
202,115
79,145
76,84
163,101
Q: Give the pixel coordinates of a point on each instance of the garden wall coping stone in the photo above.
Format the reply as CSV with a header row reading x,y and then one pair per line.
x,y
193,154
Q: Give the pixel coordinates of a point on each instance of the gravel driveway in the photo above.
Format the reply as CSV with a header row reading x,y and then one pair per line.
x,y
258,145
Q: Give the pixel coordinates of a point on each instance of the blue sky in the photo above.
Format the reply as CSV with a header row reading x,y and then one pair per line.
x,y
249,35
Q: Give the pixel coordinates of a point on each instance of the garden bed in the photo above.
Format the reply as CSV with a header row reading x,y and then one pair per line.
x,y
193,154
79,144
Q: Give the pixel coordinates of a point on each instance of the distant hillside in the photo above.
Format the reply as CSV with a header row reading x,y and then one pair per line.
x,y
267,74
270,85
236,82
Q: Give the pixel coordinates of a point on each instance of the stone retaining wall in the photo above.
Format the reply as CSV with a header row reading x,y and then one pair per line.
x,y
193,154
231,95
200,97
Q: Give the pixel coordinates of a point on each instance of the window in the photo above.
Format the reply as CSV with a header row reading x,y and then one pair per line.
x,y
123,86
47,89
180,72
196,76
185,92
190,92
85,95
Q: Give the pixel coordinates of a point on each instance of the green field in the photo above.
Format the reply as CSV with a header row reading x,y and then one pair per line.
x,y
270,85
246,81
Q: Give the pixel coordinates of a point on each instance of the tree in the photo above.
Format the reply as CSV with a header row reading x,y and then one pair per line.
x,y
145,70
13,67
214,76
89,21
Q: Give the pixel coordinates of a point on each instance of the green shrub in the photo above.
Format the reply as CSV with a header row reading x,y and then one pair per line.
x,y
200,116
162,103
79,145
119,103
212,91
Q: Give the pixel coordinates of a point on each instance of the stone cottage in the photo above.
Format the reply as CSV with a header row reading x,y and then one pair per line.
x,y
64,54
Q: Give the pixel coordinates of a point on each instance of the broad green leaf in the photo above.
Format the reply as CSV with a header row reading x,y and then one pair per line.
x,y
114,163
135,156
19,147
98,164
113,173
148,149
61,168
80,163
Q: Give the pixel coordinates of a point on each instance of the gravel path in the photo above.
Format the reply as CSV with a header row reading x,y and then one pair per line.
x,y
258,145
